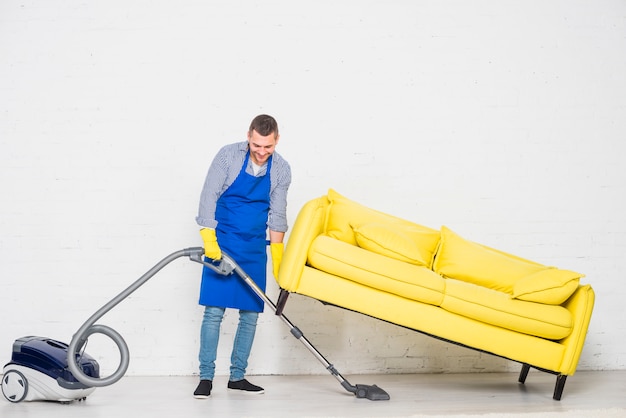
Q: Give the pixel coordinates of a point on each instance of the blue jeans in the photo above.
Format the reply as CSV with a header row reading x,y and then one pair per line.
x,y
209,338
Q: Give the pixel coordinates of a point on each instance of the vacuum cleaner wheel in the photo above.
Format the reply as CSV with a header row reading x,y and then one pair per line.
x,y
14,386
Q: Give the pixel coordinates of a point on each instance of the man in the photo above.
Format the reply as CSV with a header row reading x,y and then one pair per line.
x,y
244,194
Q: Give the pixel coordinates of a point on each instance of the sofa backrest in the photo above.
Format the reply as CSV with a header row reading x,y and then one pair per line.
x,y
443,251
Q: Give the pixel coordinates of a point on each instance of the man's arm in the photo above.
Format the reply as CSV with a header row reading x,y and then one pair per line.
x,y
276,237
212,190
281,180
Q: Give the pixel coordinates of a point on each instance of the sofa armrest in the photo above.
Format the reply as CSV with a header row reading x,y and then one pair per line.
x,y
309,224
580,304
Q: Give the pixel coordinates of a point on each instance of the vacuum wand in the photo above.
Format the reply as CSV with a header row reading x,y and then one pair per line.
x,y
227,266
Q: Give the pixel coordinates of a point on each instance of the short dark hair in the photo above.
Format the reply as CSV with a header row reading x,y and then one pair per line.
x,y
264,125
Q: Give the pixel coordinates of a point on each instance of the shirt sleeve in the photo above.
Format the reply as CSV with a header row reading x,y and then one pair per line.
x,y
212,189
280,177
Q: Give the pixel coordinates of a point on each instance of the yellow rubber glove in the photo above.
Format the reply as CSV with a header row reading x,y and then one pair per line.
x,y
276,249
211,248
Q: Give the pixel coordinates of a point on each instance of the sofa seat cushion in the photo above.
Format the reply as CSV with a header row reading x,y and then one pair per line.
x,y
498,308
374,270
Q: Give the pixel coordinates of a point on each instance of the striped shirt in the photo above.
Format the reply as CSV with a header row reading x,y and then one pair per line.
x,y
224,170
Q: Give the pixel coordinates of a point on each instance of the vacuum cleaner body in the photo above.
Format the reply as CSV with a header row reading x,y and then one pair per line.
x,y
38,370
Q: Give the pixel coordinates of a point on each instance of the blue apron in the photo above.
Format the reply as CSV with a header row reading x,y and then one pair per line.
x,y
241,213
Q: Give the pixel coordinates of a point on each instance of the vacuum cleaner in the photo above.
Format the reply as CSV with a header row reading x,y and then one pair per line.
x,y
45,369
38,370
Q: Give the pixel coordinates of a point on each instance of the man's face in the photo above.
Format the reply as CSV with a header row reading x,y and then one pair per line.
x,y
261,147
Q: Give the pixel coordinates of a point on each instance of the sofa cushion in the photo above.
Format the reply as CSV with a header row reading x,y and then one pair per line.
x,y
468,261
342,213
497,308
552,286
374,270
409,243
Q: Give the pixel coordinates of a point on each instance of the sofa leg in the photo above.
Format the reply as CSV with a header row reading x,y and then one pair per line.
x,y
558,388
282,300
523,373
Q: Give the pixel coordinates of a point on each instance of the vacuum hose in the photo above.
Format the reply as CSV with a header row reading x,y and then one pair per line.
x,y
90,327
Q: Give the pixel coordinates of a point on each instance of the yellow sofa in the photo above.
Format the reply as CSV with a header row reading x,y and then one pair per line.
x,y
438,283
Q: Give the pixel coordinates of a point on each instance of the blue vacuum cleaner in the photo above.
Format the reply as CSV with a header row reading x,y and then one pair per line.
x,y
45,369
38,370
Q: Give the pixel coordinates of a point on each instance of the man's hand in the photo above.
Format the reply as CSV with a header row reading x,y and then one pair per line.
x,y
211,248
276,249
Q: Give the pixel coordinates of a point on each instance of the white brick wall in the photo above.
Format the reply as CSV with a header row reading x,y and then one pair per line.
x,y
503,120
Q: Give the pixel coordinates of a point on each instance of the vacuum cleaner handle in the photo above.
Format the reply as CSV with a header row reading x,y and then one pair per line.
x,y
225,266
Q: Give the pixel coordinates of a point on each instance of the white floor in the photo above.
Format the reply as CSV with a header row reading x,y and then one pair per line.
x,y
495,394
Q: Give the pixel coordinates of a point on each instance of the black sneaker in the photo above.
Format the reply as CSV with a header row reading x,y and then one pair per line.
x,y
245,386
203,390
